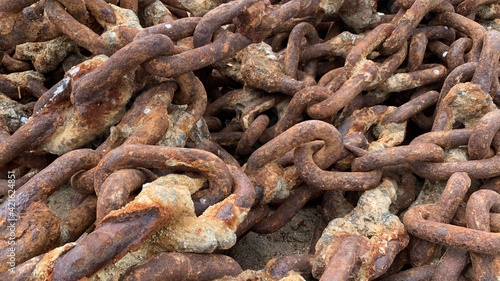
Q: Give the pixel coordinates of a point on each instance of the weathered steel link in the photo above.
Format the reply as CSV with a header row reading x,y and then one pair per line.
x,y
152,139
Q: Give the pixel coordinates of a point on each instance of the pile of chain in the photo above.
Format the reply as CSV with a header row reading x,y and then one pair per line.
x,y
167,130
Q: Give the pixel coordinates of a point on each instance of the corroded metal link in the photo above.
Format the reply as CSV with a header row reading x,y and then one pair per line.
x,y
285,212
474,30
416,52
424,152
149,156
292,52
421,251
252,134
175,30
184,266
482,135
456,54
293,137
15,6
452,236
344,259
488,62
412,107
116,189
121,62
222,47
279,267
407,23
297,106
76,31
451,264
336,180
479,206
49,179
217,17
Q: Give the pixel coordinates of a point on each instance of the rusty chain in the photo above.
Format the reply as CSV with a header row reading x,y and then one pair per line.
x,y
142,139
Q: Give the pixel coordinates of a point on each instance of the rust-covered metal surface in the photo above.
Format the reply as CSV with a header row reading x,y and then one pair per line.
x,y
144,139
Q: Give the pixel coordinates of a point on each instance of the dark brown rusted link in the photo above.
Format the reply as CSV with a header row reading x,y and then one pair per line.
x,y
9,88
285,212
443,211
221,48
15,6
488,62
473,29
218,150
338,46
406,193
294,46
456,54
254,108
255,215
13,65
184,266
302,132
280,267
477,215
192,89
132,5
87,89
347,92
366,45
49,179
263,19
450,138
35,232
215,18
119,235
435,32
451,264
77,9
407,23
149,156
36,88
411,108
405,81
244,192
482,135
28,136
416,53
76,31
421,273
438,48
344,259
452,236
477,169
328,180
226,138
78,220
460,74
175,30
251,135
116,189
421,152
101,10
298,104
